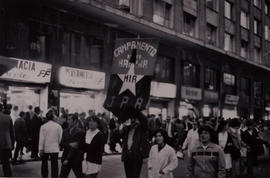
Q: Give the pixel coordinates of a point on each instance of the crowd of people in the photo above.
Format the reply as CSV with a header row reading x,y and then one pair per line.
x,y
214,147
243,142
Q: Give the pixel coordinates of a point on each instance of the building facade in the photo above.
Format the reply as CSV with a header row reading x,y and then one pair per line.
x,y
213,57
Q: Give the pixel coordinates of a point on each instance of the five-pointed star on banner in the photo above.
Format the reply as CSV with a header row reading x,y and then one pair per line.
x,y
129,80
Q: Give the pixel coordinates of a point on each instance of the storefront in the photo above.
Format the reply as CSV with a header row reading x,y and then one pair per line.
x,y
189,104
210,108
162,98
25,82
230,106
81,90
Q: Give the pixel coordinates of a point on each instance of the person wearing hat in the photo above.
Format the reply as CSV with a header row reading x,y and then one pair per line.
x,y
207,159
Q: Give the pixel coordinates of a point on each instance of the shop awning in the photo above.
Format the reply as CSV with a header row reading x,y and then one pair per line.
x,y
6,64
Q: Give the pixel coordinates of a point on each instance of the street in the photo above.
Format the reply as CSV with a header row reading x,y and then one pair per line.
x,y
111,167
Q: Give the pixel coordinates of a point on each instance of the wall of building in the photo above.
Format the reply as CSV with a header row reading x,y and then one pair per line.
x,y
69,37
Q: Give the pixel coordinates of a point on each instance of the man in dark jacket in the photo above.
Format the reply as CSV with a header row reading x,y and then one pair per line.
x,y
36,123
72,141
251,139
21,135
135,146
6,141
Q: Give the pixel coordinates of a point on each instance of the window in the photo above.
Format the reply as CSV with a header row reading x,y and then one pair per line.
x,y
191,74
189,24
257,3
228,9
164,71
244,21
82,50
211,34
244,86
210,80
229,79
266,8
212,4
266,32
75,48
38,42
244,49
257,55
256,26
228,42
37,47
162,13
258,87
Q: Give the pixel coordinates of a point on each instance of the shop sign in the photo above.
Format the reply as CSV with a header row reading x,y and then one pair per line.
x,y
80,78
211,96
166,90
231,99
133,65
191,93
229,79
26,71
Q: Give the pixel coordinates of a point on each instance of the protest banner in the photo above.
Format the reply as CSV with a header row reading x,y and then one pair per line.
x,y
132,70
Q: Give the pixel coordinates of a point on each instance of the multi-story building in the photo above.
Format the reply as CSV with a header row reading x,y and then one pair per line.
x,y
213,57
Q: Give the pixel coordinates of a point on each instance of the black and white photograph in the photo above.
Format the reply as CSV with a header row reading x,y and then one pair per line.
x,y
135,88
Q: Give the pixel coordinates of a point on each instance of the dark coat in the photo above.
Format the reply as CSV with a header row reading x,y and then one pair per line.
x,y
95,149
254,143
20,129
231,148
70,153
36,123
6,132
140,147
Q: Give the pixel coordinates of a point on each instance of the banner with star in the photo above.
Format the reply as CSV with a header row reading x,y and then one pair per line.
x,y
132,70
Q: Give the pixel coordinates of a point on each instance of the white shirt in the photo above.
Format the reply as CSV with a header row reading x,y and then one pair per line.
x,y
50,137
222,139
90,135
192,140
169,129
14,115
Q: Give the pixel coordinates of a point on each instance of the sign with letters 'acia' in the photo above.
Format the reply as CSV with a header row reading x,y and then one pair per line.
x,y
25,70
133,66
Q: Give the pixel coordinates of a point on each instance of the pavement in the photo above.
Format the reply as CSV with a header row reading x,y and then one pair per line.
x,y
112,167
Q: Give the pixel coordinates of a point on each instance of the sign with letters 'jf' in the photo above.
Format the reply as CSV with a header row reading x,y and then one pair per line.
x,y
25,70
133,66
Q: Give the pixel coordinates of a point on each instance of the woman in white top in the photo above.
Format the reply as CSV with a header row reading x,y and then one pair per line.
x,y
94,147
162,159
225,141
